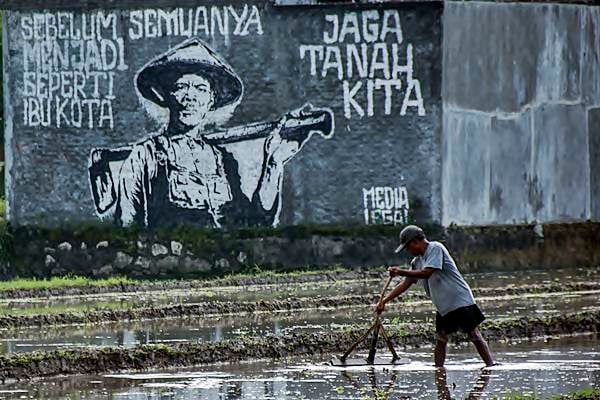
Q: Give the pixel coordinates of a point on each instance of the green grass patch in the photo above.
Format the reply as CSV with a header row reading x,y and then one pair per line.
x,y
81,281
62,282
583,394
258,272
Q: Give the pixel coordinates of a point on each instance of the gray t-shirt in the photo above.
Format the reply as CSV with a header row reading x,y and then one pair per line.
x,y
446,287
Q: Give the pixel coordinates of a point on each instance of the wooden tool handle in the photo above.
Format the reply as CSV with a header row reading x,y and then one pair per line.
x,y
387,283
381,296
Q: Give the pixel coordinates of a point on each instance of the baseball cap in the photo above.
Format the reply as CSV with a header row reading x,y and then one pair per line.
x,y
407,234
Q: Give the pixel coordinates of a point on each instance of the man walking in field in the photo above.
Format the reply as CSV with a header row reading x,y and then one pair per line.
x,y
443,283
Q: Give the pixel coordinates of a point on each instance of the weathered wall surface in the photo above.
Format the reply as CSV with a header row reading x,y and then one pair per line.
x,y
521,113
521,92
97,254
130,115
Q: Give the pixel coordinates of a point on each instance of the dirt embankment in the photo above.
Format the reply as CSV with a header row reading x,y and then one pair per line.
x,y
218,307
91,361
156,286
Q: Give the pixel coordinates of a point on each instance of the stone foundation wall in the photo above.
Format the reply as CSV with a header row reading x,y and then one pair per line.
x,y
145,255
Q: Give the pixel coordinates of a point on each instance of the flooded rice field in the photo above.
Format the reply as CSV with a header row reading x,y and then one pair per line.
x,y
327,287
274,341
541,368
215,328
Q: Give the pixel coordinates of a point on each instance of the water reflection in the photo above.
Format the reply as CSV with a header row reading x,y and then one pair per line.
x,y
443,392
384,390
316,381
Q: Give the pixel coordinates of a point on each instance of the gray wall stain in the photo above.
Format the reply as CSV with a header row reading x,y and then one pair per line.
x,y
518,82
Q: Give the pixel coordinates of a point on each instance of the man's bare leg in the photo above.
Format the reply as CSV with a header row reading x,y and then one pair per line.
x,y
439,354
442,385
481,346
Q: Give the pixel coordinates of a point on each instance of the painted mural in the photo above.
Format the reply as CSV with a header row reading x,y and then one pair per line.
x,y
224,114
185,174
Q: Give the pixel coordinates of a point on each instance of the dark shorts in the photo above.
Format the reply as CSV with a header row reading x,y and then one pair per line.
x,y
465,318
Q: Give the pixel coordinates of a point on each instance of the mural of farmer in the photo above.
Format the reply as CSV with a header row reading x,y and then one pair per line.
x,y
189,174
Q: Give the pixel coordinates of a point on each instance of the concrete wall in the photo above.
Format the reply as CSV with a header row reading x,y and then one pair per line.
x,y
521,91
521,117
143,150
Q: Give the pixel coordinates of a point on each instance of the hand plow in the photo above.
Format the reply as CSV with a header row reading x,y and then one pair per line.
x,y
375,331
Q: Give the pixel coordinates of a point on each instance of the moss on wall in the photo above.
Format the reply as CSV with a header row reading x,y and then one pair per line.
x,y
102,250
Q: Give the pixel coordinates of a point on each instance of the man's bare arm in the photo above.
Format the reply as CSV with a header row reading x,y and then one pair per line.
x,y
424,273
398,290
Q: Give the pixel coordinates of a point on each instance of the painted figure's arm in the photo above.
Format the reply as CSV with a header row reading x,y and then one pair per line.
x,y
270,184
134,185
278,151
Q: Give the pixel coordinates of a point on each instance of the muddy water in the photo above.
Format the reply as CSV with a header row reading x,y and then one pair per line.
x,y
218,328
542,368
265,292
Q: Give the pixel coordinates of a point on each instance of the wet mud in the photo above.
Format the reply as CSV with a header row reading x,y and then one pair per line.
x,y
111,359
219,327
